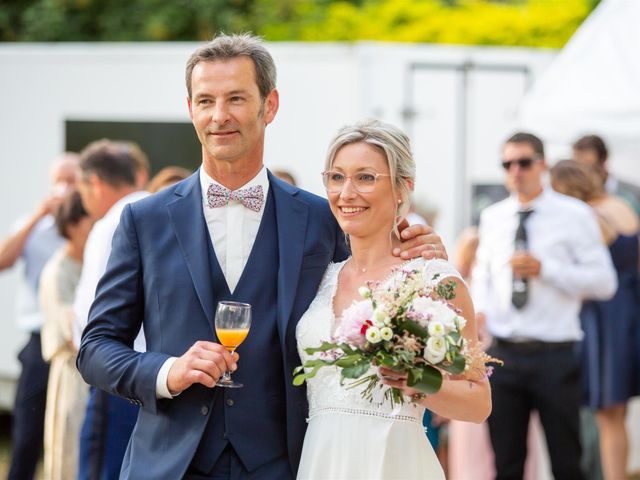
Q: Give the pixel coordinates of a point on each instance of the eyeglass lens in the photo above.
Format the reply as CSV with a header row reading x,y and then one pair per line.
x,y
363,182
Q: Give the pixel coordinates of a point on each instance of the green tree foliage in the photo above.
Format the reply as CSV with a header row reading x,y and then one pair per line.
x,y
543,23
547,23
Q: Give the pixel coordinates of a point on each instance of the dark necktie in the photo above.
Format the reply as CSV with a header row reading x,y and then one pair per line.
x,y
520,290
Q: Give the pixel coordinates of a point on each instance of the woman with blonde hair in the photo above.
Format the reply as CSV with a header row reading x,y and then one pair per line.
x,y
609,352
369,174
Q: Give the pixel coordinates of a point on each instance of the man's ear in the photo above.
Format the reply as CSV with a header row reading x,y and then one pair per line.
x,y
271,105
189,107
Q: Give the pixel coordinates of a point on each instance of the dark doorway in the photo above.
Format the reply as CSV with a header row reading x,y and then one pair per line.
x,y
164,143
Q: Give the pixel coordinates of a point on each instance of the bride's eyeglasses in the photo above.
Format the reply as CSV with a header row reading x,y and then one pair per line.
x,y
362,182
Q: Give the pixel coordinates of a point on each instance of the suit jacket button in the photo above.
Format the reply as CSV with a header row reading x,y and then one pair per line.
x,y
230,402
204,410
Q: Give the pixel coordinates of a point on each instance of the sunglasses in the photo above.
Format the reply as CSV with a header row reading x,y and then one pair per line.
x,y
523,163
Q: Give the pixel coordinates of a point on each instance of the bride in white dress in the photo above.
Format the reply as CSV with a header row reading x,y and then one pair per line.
x,y
369,176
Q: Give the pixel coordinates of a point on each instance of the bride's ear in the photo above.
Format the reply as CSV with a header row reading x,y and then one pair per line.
x,y
409,184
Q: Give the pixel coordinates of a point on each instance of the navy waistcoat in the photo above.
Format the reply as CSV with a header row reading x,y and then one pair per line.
x,y
252,418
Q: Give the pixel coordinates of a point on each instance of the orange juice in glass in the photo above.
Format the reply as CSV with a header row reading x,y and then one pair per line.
x,y
233,320
231,338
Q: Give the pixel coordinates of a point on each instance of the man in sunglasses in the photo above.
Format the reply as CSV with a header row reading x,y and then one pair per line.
x,y
540,255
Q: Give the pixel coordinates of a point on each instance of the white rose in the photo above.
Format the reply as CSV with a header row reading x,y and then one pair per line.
x,y
422,305
364,292
373,335
461,322
435,350
446,315
436,329
386,333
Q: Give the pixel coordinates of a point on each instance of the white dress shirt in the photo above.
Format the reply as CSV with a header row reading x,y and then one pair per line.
x,y
575,265
96,254
233,230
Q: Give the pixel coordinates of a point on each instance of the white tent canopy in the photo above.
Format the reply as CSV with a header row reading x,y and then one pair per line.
x,y
593,86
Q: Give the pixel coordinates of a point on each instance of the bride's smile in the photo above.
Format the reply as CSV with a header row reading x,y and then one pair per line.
x,y
360,191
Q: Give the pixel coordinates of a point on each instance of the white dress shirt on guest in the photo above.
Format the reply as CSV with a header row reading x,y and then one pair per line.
x,y
96,254
232,230
575,265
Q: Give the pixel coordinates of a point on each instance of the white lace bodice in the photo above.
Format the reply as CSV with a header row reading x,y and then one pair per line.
x,y
324,392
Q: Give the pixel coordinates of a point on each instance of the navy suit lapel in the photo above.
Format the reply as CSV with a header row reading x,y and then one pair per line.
x,y
291,217
190,228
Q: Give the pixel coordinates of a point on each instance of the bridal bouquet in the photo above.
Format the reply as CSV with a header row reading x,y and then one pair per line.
x,y
406,325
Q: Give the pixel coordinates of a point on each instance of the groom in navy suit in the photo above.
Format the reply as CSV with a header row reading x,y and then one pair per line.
x,y
231,231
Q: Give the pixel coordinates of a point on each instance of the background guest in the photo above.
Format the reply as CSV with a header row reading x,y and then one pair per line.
x,y
108,181
166,177
66,391
286,176
530,285
34,240
591,151
608,350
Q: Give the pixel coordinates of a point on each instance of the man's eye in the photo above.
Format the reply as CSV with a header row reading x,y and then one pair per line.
x,y
204,101
366,177
236,99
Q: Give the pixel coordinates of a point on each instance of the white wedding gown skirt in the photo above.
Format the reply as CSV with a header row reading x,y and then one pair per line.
x,y
349,437
356,446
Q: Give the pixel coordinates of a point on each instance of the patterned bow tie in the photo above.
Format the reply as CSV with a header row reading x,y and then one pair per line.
x,y
251,197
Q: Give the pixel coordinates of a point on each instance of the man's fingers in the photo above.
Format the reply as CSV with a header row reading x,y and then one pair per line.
x,y
416,230
214,352
198,376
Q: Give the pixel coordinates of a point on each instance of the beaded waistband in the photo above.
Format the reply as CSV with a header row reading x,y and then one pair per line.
x,y
360,412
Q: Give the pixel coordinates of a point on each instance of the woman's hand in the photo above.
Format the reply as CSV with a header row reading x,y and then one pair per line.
x,y
397,379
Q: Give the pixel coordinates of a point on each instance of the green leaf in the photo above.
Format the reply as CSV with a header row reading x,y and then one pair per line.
x,y
426,379
298,380
348,360
456,366
357,370
326,346
414,328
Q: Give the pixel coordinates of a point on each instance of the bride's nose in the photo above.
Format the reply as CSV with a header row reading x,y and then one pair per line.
x,y
348,191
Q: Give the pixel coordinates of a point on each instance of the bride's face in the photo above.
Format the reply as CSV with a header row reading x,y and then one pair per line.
x,y
363,206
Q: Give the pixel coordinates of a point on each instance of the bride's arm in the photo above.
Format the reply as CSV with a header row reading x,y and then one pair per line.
x,y
458,398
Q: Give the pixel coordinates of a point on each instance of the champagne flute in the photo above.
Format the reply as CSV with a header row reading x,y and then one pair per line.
x,y
233,320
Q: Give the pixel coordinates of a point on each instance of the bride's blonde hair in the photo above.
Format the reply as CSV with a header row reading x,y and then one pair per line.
x,y
394,144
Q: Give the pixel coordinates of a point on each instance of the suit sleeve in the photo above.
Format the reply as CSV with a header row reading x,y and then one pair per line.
x,y
106,358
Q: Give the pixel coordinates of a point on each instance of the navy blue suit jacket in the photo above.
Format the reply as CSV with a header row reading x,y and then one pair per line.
x,y
158,278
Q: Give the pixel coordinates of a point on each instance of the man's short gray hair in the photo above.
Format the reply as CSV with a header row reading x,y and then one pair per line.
x,y
226,47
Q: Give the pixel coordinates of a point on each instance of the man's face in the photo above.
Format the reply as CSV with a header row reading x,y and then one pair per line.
x,y
63,176
524,175
227,112
90,195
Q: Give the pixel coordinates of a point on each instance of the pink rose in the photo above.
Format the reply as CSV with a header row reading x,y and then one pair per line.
x,y
351,324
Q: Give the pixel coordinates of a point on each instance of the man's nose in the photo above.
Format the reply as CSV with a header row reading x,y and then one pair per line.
x,y
220,114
